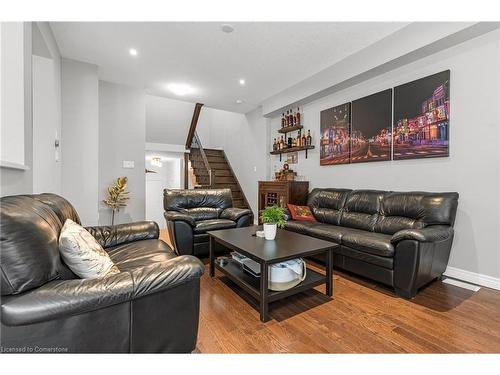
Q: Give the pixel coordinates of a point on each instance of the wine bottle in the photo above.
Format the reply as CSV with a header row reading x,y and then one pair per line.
x,y
309,138
298,116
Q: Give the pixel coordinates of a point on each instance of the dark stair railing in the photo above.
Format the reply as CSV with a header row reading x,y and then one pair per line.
x,y
196,144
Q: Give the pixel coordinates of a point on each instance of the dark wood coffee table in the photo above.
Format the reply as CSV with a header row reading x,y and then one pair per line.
x,y
287,245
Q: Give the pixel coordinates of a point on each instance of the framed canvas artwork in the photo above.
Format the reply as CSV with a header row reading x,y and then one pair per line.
x,y
371,130
335,129
422,118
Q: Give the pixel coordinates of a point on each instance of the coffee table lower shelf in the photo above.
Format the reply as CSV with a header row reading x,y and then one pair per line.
x,y
251,284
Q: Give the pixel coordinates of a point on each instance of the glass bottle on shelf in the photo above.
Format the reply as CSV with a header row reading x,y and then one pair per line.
x,y
303,140
298,116
298,138
309,138
290,118
274,145
289,142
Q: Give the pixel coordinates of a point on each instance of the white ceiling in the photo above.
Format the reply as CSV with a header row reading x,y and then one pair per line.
x,y
269,56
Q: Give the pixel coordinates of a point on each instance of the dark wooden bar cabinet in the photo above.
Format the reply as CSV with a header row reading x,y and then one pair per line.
x,y
280,193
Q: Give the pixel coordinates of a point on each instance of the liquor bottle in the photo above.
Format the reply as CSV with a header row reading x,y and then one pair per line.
x,y
298,116
282,143
274,145
303,140
294,117
309,138
298,138
289,142
290,119
283,120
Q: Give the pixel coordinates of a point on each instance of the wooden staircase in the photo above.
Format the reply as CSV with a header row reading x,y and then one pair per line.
x,y
222,175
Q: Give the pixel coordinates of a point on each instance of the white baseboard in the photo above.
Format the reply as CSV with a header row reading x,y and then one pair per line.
x,y
472,277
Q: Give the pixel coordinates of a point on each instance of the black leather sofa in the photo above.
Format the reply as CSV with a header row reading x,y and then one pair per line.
x,y
152,305
402,239
190,214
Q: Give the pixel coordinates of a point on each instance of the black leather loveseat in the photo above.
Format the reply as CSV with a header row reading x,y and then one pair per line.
x,y
190,214
152,305
399,239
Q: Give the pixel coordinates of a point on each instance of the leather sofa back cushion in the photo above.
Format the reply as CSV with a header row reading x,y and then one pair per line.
x,y
202,213
361,209
327,203
61,207
415,210
175,200
29,242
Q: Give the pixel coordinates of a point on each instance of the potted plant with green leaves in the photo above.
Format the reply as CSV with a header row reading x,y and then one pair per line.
x,y
118,196
272,217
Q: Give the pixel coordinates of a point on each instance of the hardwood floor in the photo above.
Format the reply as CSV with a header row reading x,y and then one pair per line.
x,y
362,317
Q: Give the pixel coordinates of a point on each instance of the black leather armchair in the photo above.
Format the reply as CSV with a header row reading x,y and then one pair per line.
x,y
152,305
191,213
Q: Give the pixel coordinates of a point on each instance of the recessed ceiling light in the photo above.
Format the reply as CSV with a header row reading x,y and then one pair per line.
x,y
227,28
242,81
132,52
180,89
239,101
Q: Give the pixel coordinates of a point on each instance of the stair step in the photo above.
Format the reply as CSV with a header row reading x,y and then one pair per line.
x,y
225,180
213,166
211,159
239,203
210,151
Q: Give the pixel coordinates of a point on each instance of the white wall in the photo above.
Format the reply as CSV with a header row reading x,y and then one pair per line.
x,y
13,63
47,115
473,168
122,137
167,120
169,176
20,181
80,134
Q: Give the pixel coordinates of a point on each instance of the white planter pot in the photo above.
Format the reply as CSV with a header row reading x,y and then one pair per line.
x,y
270,231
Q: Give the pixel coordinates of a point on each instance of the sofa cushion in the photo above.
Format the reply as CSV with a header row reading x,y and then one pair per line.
x,y
29,255
329,232
138,254
299,226
174,200
301,213
214,224
202,213
361,209
326,204
415,210
370,242
83,254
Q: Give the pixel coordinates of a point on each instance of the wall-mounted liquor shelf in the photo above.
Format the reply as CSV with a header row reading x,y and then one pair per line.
x,y
288,129
291,149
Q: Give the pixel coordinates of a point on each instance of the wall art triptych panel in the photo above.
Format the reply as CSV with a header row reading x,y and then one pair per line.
x,y
335,130
368,130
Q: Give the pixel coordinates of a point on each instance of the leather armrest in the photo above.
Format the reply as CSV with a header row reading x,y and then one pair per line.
x,y
161,276
178,216
432,233
234,213
63,298
114,235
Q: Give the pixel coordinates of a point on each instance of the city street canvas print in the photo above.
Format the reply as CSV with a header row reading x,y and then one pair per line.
x,y
422,118
335,127
371,130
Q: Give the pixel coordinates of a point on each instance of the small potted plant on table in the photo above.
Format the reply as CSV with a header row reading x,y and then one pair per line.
x,y
272,217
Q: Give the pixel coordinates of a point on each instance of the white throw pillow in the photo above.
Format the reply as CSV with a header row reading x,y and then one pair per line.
x,y
83,254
